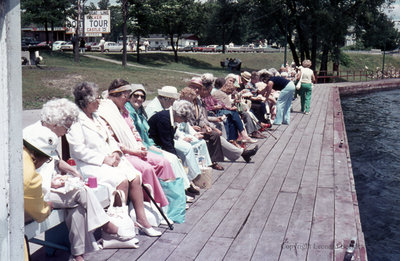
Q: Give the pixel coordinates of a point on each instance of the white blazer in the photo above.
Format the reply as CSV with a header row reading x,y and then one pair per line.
x,y
89,143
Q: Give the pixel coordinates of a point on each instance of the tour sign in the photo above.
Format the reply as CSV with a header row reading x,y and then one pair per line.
x,y
97,22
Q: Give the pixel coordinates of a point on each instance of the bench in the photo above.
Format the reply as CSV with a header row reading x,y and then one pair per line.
x,y
53,226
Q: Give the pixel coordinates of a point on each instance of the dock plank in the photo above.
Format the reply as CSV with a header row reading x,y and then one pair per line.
x,y
295,200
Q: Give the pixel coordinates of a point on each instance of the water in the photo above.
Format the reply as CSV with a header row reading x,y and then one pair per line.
x,y
372,124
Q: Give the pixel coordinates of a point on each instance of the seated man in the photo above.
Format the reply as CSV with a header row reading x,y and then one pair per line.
x,y
163,128
166,97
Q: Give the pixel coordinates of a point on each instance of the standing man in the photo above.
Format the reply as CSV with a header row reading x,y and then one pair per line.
x,y
101,44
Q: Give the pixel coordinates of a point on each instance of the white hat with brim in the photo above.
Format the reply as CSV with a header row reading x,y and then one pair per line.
x,y
42,139
168,91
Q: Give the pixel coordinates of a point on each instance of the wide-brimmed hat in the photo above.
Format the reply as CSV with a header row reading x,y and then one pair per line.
x,y
168,91
196,82
42,139
246,76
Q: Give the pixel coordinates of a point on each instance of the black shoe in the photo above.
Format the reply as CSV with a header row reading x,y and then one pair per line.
x,y
192,190
187,193
247,154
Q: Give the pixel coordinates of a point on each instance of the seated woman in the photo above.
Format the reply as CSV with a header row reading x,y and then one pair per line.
x,y
139,117
152,165
98,154
84,213
163,128
199,124
220,103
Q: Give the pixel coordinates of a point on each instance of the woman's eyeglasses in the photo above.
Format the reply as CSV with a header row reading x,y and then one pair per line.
x,y
66,128
138,95
49,160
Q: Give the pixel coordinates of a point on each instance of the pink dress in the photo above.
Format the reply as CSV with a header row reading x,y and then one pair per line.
x,y
156,166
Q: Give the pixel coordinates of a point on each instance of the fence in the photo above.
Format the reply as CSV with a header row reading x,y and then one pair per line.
x,y
353,76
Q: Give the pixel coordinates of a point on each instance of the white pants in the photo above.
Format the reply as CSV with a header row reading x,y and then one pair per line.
x,y
83,214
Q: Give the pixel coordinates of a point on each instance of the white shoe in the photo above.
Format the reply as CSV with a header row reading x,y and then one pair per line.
x,y
187,206
151,232
189,199
249,140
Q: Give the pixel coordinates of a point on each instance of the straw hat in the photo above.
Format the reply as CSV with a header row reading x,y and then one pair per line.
x,y
168,91
246,76
196,82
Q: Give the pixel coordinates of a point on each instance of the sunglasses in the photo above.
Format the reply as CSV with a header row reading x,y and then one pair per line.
x,y
136,96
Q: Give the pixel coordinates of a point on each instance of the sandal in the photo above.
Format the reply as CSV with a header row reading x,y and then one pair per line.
x,y
216,166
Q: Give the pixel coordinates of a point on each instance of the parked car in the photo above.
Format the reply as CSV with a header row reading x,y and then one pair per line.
x,y
44,44
66,47
198,48
89,45
188,48
108,47
57,45
209,48
29,41
166,48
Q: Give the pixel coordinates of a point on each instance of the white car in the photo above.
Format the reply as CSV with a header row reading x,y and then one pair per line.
x,y
57,45
68,46
108,47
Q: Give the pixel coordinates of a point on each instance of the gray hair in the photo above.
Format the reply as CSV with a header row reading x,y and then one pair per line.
x,y
85,93
207,80
183,109
60,112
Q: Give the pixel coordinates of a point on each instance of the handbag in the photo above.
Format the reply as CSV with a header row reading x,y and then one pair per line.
x,y
204,180
119,216
298,85
175,192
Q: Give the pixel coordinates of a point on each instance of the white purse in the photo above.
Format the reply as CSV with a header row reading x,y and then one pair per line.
x,y
298,85
119,216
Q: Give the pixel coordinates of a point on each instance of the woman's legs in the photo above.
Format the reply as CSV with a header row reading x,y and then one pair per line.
x,y
284,103
161,166
149,177
136,196
307,97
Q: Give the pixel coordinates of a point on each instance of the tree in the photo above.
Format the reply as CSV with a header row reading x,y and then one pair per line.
x,y
104,4
317,30
44,12
141,20
174,19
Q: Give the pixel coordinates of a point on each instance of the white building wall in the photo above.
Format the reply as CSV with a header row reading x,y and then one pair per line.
x,y
11,177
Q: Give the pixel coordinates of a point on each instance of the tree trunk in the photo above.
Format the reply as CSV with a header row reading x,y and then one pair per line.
x,y
324,63
76,37
223,39
171,36
47,31
138,49
314,44
124,13
293,49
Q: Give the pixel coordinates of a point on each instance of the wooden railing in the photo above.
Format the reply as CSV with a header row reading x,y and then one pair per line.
x,y
354,76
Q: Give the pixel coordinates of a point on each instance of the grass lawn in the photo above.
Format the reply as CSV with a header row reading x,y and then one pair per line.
x,y
60,73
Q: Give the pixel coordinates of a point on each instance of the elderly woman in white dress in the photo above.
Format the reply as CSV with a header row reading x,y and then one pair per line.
x,y
98,154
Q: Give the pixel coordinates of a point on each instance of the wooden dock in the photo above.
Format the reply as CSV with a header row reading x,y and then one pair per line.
x,y
295,200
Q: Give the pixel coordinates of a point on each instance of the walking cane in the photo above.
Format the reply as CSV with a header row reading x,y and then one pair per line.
x,y
270,133
171,226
